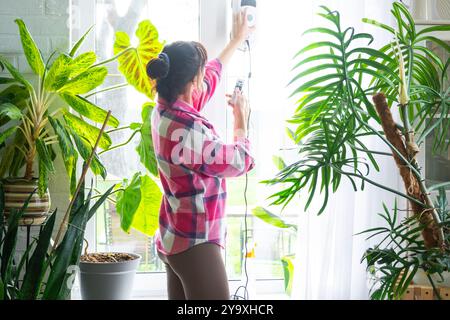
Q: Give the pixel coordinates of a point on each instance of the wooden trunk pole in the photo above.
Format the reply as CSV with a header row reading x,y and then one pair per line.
x,y
426,214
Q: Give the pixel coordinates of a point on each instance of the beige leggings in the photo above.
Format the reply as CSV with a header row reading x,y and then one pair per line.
x,y
197,274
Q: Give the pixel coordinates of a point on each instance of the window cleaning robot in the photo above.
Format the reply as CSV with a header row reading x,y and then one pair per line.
x,y
250,7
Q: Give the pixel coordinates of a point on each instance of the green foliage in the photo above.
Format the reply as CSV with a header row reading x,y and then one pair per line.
x,y
288,269
145,146
138,204
30,49
133,61
401,252
332,114
25,116
334,80
426,72
272,219
46,276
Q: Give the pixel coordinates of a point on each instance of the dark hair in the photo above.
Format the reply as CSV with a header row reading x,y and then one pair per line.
x,y
175,67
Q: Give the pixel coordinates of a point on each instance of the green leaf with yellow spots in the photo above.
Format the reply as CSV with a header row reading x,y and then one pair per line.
x,y
133,60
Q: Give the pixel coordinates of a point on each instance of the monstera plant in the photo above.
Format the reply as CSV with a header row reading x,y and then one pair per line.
x,y
339,76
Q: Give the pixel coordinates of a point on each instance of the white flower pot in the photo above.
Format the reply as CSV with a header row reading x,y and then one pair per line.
x,y
108,280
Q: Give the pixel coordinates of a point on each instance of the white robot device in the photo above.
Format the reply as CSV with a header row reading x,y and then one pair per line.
x,y
248,6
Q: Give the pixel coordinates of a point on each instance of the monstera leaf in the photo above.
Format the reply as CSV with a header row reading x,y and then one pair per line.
x,y
138,204
133,61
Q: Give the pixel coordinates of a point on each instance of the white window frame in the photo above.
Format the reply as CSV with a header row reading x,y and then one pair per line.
x,y
212,13
445,36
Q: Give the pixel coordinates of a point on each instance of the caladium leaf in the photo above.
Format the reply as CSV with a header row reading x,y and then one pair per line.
x,y
133,63
138,205
89,110
30,49
85,81
145,146
84,129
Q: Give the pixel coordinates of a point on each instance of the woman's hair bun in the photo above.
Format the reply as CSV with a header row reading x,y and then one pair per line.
x,y
158,68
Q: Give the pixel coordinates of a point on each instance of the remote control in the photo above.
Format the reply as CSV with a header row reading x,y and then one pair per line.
x,y
239,85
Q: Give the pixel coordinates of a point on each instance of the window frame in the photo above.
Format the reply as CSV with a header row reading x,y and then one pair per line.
x,y
211,12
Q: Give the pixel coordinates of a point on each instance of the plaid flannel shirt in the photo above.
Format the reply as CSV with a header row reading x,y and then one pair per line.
x,y
193,163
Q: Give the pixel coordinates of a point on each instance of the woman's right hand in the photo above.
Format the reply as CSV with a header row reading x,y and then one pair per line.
x,y
241,30
241,112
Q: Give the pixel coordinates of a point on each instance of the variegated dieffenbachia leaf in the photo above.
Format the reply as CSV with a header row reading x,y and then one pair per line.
x,y
85,81
6,134
69,155
133,63
58,74
89,110
64,69
81,63
30,49
85,149
10,111
16,74
84,129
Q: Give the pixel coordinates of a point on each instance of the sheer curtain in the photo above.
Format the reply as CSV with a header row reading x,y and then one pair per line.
x,y
328,259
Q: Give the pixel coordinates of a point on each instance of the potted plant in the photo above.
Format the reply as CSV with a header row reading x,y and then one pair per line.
x,y
33,127
110,275
38,115
45,270
334,113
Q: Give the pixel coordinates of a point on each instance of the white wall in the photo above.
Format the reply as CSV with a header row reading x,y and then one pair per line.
x,y
47,21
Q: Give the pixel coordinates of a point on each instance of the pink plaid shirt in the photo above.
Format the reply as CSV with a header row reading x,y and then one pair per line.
x,y
193,163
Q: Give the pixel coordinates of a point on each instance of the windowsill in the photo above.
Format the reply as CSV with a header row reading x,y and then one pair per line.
x,y
265,289
268,296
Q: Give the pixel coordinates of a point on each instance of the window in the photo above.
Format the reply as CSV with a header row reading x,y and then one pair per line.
x,y
437,162
193,22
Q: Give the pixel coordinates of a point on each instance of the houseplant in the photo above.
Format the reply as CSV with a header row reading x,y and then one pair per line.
x,y
36,117
45,269
334,114
33,126
109,275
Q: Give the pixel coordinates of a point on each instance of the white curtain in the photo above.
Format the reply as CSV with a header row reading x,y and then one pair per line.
x,y
328,259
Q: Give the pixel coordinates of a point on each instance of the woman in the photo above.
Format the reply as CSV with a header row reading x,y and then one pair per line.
x,y
193,163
